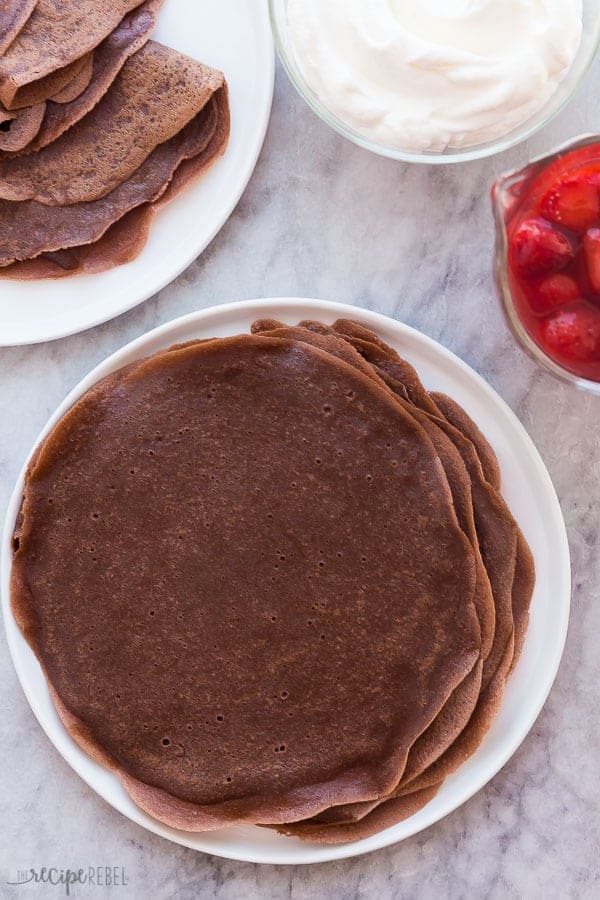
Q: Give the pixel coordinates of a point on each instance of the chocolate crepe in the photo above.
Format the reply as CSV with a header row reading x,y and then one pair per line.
x,y
157,92
42,90
31,228
107,61
13,15
77,85
46,52
121,244
298,612
502,573
19,127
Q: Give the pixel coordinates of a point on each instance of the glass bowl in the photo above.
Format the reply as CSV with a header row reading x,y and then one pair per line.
x,y
587,51
506,194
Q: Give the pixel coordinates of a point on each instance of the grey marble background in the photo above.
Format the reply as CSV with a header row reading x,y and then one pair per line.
x,y
323,218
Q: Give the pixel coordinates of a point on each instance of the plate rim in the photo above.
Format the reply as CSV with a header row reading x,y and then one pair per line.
x,y
147,291
267,307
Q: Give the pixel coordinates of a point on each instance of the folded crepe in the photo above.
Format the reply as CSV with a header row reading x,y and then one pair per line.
x,y
107,61
77,85
156,93
29,229
46,87
52,46
19,127
13,15
121,244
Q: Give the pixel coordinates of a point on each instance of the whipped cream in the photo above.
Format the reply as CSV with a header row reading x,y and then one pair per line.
x,y
432,74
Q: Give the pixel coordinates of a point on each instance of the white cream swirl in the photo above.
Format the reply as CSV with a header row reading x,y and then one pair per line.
x,y
431,74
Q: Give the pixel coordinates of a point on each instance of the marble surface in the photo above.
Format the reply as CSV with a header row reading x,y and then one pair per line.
x,y
323,218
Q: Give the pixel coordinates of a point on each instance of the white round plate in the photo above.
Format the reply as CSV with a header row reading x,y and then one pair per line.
x,y
232,35
529,492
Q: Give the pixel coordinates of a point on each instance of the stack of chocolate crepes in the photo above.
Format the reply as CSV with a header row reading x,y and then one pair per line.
x,y
99,126
272,580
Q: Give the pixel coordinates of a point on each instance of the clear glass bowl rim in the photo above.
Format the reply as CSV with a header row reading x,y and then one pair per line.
x,y
480,151
513,318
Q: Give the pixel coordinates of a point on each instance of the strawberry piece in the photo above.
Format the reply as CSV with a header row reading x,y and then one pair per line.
x,y
574,201
554,292
583,159
591,250
539,249
574,334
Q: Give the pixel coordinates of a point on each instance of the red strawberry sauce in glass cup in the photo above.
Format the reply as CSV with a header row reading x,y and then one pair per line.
x,y
548,259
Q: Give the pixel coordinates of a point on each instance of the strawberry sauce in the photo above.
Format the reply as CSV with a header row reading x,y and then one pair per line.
x,y
554,260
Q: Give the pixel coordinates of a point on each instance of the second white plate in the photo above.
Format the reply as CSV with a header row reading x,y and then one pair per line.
x,y
232,35
529,492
